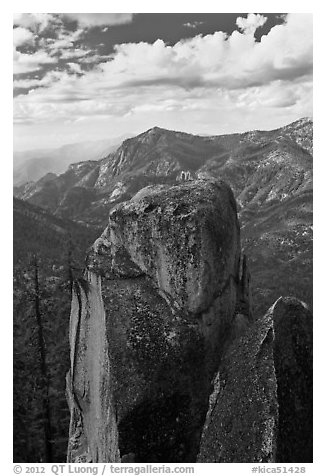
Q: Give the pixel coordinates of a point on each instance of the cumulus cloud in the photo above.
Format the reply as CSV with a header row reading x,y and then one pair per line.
x,y
36,82
75,68
40,21
50,50
217,60
195,24
94,59
202,72
64,40
30,30
88,20
275,95
26,63
34,21
74,53
250,24
21,36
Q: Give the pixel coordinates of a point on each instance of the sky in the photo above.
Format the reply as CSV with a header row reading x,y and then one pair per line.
x,y
94,76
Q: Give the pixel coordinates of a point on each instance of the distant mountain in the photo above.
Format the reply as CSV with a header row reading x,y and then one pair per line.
x,y
31,165
261,166
270,173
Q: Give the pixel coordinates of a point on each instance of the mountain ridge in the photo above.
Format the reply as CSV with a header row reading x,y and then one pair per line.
x,y
160,155
31,165
270,174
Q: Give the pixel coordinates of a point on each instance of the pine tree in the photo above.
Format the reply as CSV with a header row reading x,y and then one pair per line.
x,y
43,366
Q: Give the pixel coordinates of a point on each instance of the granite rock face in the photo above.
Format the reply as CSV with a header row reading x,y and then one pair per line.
x,y
163,291
261,406
93,433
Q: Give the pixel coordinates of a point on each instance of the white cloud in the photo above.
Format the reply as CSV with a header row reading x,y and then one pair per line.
x,y
86,20
26,63
276,95
34,21
47,80
21,36
94,59
74,53
49,49
213,72
250,24
75,68
193,25
216,60
64,40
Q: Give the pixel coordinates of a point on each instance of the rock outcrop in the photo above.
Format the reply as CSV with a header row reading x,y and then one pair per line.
x,y
148,325
261,406
162,329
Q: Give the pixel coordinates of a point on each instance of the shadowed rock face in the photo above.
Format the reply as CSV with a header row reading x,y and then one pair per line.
x,y
294,372
261,406
163,292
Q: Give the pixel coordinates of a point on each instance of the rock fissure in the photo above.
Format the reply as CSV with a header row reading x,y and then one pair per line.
x,y
220,293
